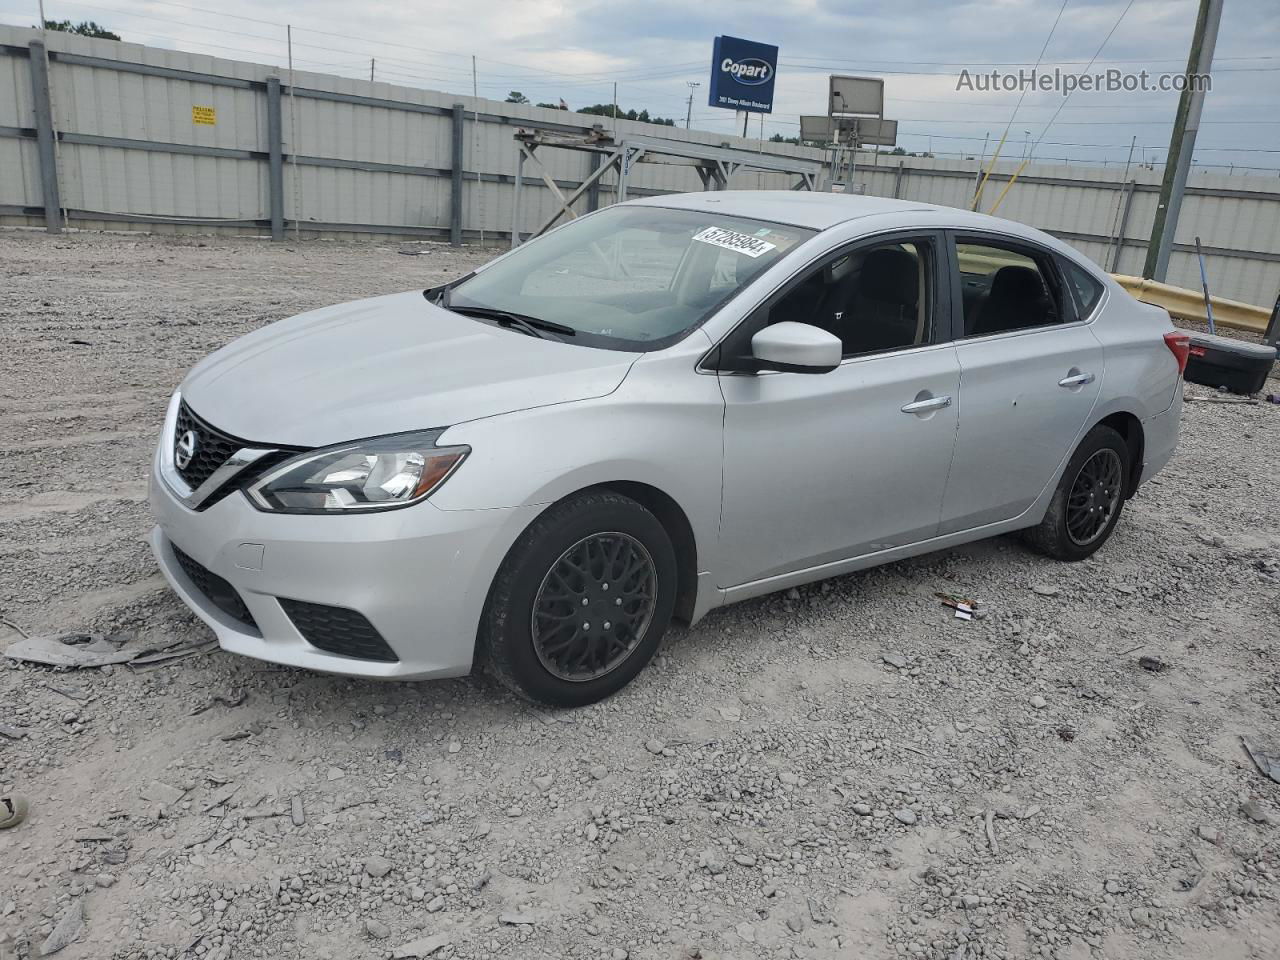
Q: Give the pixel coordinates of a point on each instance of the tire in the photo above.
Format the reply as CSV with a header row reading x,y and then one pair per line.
x,y
531,637
1067,531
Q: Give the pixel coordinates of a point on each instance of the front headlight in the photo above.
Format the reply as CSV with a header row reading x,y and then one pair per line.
x,y
367,475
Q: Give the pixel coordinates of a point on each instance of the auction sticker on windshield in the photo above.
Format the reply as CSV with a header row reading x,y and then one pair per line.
x,y
738,242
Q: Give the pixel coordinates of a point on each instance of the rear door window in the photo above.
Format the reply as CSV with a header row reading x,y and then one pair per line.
x,y
1006,288
1084,286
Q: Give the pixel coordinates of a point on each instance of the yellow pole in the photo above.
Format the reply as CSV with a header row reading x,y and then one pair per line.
x,y
977,197
1022,166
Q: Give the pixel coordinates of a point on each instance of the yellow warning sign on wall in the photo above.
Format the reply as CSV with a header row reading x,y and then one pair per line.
x,y
205,115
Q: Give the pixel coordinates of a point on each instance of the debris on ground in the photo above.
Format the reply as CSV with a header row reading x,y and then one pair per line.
x,y
965,608
81,651
77,650
1265,756
161,793
517,918
1153,664
244,733
232,698
67,930
13,810
423,947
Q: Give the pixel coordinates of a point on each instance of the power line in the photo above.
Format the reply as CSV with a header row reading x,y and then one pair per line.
x,y
1023,94
1105,41
1015,63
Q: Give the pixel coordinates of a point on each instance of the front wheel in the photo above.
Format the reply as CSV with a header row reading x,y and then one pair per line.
x,y
581,601
1089,500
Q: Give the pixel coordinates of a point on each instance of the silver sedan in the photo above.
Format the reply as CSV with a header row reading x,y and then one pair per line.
x,y
657,409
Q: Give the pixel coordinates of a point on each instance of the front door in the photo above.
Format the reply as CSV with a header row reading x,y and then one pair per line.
x,y
1030,375
823,467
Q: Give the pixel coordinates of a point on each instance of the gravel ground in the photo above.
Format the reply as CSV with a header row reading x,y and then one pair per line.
x,y
840,771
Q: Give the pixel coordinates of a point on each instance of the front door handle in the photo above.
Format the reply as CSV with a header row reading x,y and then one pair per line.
x,y
927,406
1076,380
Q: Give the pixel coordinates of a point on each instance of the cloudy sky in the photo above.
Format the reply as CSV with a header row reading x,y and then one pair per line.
x,y
577,49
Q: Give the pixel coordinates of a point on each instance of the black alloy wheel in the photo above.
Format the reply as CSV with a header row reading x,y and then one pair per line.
x,y
1094,496
594,606
581,601
1089,498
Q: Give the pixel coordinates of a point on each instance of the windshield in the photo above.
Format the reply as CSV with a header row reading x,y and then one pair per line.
x,y
630,278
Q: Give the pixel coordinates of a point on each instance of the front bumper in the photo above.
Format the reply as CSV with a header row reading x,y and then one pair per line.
x,y
420,575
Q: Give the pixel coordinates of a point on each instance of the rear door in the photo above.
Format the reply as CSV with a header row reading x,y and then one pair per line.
x,y
1030,372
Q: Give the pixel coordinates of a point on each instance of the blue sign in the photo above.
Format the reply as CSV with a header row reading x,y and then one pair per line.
x,y
742,74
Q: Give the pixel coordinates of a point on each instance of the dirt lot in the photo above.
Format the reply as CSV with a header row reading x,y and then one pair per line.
x,y
841,771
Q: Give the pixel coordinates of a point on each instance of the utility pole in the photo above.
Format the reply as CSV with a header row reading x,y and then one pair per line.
x,y
692,85
1183,142
615,103
982,162
293,138
372,60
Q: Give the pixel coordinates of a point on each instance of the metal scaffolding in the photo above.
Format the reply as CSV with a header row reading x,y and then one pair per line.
x,y
714,166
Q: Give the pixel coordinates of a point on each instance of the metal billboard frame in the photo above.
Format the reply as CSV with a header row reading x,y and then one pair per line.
x,y
867,131
855,96
817,129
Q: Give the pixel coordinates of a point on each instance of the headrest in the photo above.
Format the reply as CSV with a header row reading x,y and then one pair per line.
x,y
1017,283
891,276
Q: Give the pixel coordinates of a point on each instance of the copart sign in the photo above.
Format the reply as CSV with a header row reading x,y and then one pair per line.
x,y
742,73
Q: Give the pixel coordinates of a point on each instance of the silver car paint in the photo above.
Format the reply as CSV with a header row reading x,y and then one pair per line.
x,y
798,448
1018,418
546,419
386,365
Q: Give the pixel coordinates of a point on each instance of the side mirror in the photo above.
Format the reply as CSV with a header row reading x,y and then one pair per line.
x,y
796,348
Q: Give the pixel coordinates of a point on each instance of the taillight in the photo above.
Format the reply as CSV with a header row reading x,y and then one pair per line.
x,y
1179,345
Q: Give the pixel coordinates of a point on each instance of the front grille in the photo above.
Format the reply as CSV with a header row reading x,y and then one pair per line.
x,y
213,447
220,593
338,630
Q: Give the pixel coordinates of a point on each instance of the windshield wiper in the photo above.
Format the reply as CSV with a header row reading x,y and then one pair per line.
x,y
534,326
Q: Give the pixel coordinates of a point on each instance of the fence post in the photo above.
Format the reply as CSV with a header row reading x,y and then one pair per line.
x,y
1129,189
275,158
1272,334
593,191
45,142
455,175
898,177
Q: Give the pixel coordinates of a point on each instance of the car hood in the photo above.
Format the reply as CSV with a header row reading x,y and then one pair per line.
x,y
386,365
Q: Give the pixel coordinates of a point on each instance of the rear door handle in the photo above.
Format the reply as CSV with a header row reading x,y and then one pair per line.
x,y
1077,380
926,406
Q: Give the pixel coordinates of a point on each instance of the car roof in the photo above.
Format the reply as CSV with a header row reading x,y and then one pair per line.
x,y
799,208
821,211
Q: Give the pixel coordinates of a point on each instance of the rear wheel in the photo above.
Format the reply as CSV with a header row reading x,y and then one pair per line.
x,y
1089,500
581,601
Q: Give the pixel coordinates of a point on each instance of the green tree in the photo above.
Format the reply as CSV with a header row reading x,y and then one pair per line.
x,y
779,138
85,28
551,106
515,96
606,110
